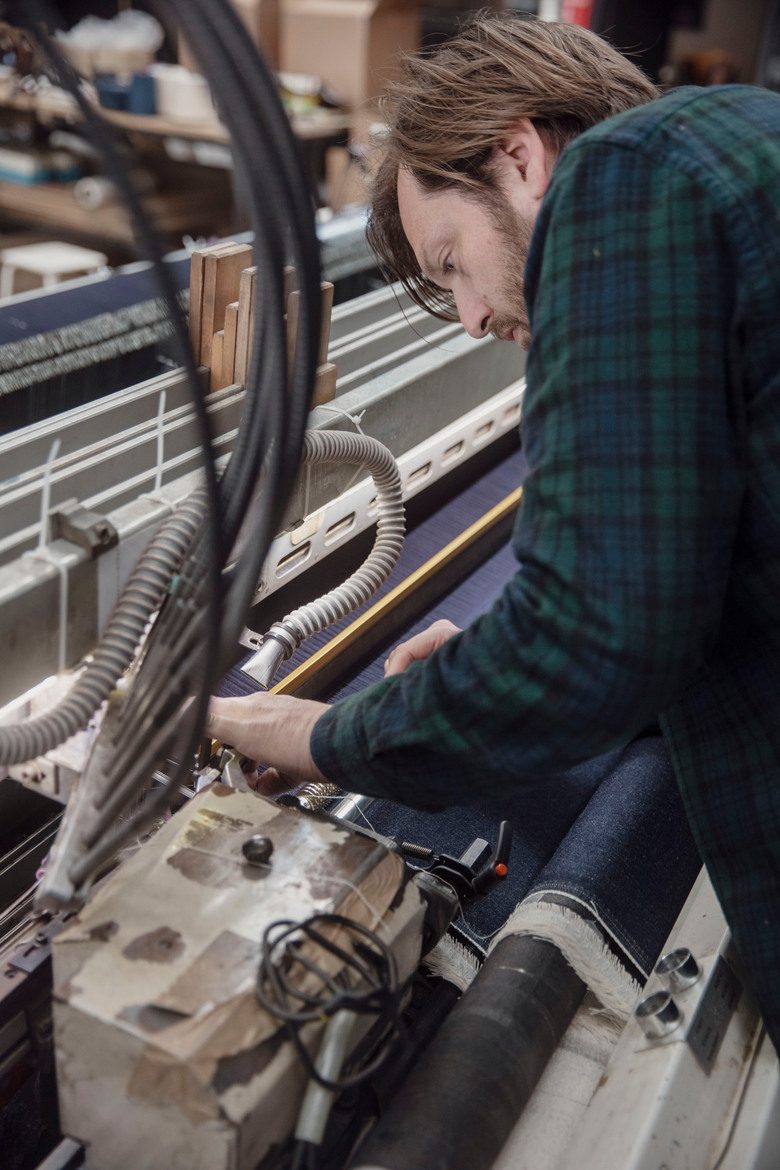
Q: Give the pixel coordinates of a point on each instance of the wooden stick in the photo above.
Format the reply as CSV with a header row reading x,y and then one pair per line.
x,y
217,348
293,310
196,301
229,351
221,283
325,385
326,295
245,324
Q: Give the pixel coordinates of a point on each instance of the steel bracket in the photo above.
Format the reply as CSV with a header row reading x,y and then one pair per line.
x,y
89,530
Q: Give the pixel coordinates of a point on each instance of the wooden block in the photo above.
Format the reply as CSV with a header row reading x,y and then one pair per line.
x,y
325,385
245,324
326,294
229,351
293,310
293,313
221,281
217,347
196,301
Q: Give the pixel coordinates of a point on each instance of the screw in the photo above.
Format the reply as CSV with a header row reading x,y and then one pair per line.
x,y
257,850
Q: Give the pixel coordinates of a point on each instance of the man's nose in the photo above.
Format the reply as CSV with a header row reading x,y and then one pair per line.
x,y
475,315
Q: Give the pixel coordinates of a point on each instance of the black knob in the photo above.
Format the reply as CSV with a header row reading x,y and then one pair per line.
x,y
257,850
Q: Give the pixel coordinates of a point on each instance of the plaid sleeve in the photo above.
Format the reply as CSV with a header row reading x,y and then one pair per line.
x,y
628,521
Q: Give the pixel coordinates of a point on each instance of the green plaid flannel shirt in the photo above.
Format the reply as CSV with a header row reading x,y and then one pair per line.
x,y
648,539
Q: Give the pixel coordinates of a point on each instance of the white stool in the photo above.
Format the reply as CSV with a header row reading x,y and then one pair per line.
x,y
52,262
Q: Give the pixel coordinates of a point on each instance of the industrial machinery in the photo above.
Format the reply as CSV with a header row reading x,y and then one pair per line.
x,y
195,975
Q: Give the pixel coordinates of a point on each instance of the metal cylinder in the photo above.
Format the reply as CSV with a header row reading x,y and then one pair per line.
x,y
678,969
658,1015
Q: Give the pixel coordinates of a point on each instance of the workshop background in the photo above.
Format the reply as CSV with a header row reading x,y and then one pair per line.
x,y
333,59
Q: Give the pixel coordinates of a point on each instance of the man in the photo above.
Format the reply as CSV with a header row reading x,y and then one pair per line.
x,y
649,534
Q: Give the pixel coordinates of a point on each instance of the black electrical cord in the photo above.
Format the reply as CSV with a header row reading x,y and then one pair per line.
x,y
35,15
366,983
158,705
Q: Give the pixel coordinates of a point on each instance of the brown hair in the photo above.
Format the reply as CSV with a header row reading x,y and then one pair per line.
x,y
449,111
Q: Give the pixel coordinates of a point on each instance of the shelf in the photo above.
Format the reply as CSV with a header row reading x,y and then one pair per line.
x,y
318,124
51,205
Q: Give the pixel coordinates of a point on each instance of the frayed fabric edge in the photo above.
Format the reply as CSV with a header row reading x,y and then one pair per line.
x,y
583,947
450,960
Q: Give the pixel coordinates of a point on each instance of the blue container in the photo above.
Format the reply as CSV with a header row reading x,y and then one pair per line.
x,y
112,93
142,95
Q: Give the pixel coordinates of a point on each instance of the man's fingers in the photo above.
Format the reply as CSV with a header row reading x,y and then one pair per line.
x,y
421,646
271,783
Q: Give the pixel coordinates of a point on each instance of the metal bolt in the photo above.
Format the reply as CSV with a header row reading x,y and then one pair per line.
x,y
257,850
658,1015
678,969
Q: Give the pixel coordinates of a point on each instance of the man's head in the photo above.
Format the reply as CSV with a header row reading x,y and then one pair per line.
x,y
474,131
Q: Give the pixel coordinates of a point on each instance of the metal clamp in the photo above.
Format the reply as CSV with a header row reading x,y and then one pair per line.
x,y
89,530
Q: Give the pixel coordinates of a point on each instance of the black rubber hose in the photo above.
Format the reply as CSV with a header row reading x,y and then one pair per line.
x,y
458,1106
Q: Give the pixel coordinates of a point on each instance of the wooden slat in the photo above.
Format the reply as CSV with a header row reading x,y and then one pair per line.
x,y
229,351
217,349
221,281
326,294
197,260
325,385
245,324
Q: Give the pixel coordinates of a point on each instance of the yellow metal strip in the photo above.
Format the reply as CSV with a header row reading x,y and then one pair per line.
x,y
308,669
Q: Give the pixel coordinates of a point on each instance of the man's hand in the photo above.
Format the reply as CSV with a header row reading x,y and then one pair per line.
x,y
419,647
273,728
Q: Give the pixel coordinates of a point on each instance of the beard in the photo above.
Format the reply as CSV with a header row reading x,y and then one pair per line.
x,y
515,233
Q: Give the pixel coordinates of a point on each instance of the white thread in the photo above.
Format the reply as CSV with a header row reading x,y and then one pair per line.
x,y
43,535
153,499
378,915
44,553
160,442
356,420
306,487
365,818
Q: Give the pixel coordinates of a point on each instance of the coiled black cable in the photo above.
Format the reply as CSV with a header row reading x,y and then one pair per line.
x,y
366,982
163,711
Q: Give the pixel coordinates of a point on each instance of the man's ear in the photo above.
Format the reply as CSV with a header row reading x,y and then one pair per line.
x,y
522,158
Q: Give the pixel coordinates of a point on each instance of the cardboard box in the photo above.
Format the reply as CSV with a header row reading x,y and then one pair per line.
x,y
353,45
261,18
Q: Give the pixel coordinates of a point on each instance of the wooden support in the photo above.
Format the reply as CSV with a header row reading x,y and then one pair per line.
x,y
215,276
229,351
245,324
197,260
217,347
325,385
326,294
293,311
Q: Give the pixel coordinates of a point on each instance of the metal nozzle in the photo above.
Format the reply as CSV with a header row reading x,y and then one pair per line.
x,y
263,665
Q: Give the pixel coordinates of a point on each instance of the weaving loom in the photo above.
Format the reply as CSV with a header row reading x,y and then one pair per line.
x,y
598,871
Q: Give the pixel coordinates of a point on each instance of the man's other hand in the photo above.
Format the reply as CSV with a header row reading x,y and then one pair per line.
x,y
273,728
420,646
